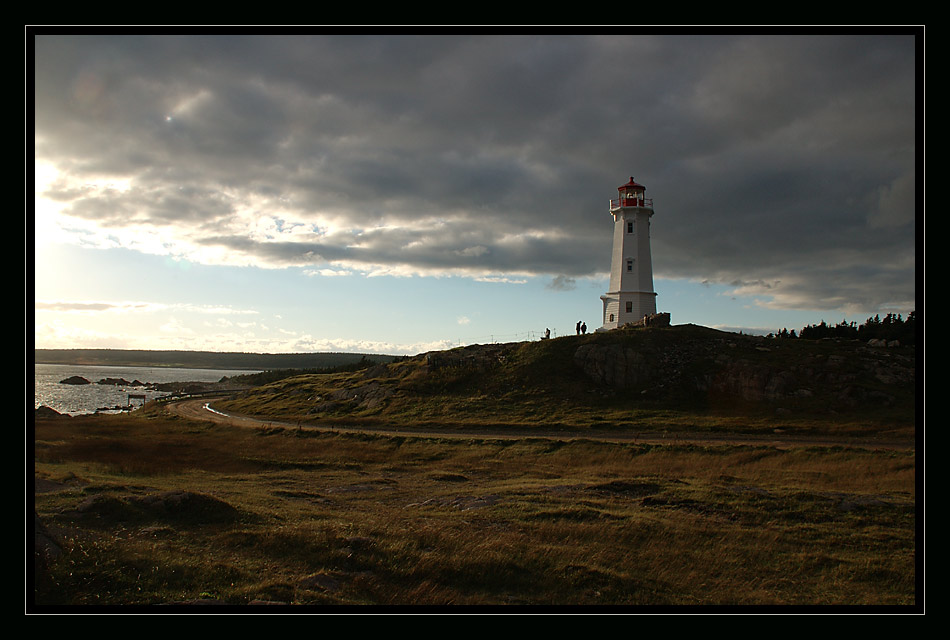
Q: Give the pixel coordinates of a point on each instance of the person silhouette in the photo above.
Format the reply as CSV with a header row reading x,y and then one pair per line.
x,y
578,327
584,328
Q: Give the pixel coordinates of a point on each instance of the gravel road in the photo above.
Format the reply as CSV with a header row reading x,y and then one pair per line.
x,y
203,409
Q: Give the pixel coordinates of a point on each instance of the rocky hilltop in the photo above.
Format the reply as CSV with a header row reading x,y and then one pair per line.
x,y
684,367
704,362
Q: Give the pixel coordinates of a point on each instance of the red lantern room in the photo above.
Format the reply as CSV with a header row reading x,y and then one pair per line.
x,y
631,195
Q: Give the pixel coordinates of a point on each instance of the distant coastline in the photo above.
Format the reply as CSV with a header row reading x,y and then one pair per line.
x,y
199,359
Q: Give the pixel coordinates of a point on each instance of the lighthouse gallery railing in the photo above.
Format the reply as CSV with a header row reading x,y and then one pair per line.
x,y
616,203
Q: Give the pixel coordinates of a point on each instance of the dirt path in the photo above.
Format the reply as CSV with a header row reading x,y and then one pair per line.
x,y
201,409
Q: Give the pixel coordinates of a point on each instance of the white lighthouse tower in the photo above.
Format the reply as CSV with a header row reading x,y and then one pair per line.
x,y
630,296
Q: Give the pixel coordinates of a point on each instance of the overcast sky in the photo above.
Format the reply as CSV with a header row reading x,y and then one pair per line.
x,y
403,192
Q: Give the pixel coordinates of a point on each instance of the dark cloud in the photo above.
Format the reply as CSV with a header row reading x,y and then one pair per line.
x,y
562,283
784,160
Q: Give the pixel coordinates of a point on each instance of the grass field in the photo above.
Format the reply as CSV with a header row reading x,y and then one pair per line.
x,y
151,509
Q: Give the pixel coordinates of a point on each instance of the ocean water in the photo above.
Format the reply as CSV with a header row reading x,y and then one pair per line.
x,y
87,398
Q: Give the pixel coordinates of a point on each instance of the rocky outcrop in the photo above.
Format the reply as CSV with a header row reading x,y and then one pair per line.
x,y
477,356
74,380
365,396
881,343
47,412
752,382
121,382
615,365
655,320
750,369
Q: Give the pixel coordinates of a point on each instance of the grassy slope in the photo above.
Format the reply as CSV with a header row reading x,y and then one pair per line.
x,y
538,384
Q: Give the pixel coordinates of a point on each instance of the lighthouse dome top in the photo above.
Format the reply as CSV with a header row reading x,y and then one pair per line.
x,y
632,185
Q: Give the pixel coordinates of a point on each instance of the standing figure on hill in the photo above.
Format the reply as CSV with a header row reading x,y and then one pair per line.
x,y
584,328
578,327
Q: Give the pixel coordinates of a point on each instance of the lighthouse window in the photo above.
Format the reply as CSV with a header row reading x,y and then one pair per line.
x,y
629,264
629,307
629,226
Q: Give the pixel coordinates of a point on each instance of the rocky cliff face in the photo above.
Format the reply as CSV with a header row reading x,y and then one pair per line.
x,y
753,369
621,367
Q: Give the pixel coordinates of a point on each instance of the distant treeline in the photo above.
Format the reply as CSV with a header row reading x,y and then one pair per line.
x,y
891,327
203,359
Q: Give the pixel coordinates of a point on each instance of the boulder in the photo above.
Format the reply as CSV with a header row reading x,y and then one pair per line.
x,y
47,412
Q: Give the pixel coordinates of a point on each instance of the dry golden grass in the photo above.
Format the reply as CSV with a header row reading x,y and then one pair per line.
x,y
332,519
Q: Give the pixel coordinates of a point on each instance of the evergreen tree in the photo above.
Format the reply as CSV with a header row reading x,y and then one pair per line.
x,y
892,327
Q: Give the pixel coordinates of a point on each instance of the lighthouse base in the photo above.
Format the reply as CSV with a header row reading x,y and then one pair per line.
x,y
627,307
